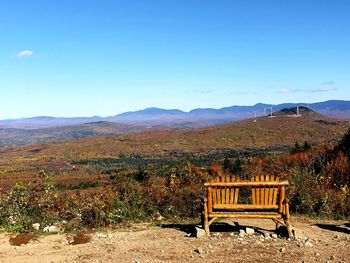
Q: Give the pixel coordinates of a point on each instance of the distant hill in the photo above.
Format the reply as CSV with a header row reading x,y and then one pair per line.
x,y
175,118
208,116
15,137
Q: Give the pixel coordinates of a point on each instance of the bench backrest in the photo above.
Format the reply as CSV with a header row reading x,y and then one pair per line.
x,y
267,193
221,195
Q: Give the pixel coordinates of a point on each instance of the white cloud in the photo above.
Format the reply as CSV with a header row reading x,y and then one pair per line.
x,y
284,90
25,54
323,89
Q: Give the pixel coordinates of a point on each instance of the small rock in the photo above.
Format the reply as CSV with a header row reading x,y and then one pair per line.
x,y
249,231
241,233
159,217
282,250
298,233
308,244
36,226
274,236
52,229
101,235
317,254
332,257
200,233
266,234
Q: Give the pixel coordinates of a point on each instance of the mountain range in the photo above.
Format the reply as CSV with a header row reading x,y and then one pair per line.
x,y
175,118
315,122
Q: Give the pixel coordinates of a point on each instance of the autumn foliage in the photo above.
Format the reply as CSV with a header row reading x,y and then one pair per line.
x,y
106,191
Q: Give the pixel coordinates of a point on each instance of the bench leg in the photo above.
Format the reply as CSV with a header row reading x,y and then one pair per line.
x,y
206,221
287,221
206,226
277,225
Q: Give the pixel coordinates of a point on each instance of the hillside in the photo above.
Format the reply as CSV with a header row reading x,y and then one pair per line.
x,y
261,132
75,160
145,120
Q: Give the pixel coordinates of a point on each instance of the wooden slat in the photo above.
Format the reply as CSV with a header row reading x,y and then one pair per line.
x,y
248,183
281,198
236,192
272,216
272,179
257,191
232,191
267,190
210,201
223,190
246,206
253,193
275,190
218,191
262,191
213,192
227,201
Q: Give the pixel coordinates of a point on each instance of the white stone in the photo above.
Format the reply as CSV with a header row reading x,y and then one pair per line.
x,y
274,236
241,233
159,217
298,233
36,226
308,244
52,229
101,235
249,231
200,233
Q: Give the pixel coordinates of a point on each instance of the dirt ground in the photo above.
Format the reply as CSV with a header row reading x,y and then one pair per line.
x,y
317,241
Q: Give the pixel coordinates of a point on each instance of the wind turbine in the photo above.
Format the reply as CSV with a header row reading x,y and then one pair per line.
x,y
271,110
298,113
255,116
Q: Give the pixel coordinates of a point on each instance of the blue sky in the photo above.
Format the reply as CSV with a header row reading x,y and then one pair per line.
x,y
99,57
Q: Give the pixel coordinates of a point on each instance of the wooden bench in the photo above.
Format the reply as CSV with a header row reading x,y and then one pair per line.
x,y
267,200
